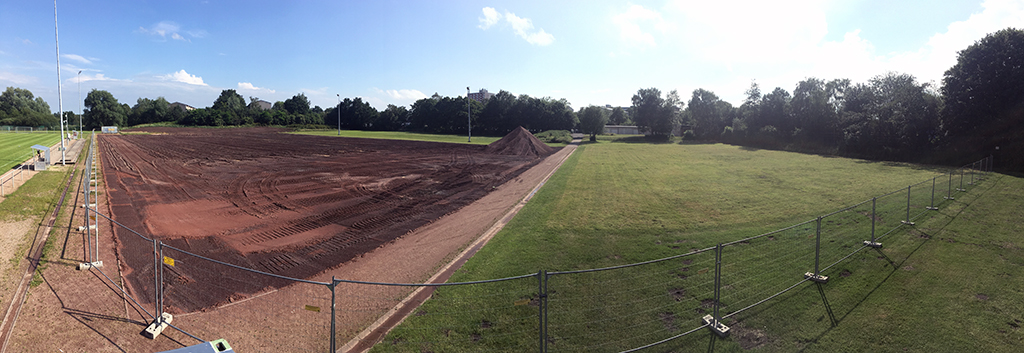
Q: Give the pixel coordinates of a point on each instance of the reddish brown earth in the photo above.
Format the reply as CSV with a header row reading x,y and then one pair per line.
x,y
292,205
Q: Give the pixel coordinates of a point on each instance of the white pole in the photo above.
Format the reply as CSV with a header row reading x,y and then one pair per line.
x,y
79,103
469,120
60,102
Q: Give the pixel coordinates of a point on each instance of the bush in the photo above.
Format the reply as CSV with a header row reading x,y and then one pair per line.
x,y
689,135
554,136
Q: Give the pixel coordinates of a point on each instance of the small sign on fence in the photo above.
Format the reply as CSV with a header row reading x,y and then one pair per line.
x,y
169,261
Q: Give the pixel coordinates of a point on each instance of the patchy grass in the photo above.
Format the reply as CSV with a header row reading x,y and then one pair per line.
x,y
414,136
615,203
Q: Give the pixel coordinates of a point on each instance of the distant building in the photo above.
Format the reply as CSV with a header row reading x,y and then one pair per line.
x,y
621,130
263,105
184,107
481,96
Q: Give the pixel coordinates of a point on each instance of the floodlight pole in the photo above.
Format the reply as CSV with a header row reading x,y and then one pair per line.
x,y
469,119
339,114
60,105
79,103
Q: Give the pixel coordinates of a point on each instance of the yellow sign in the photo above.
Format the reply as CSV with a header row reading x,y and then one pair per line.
x,y
313,308
168,261
521,302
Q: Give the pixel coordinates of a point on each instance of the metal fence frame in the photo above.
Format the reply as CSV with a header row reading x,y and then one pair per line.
x,y
799,272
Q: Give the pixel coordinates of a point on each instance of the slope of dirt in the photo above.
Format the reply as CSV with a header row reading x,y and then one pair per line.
x,y
520,142
292,205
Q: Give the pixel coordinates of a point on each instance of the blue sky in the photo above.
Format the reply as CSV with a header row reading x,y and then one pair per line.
x,y
394,52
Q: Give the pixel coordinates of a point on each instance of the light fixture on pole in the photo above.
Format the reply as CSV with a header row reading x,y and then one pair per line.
x,y
469,119
60,105
79,102
339,114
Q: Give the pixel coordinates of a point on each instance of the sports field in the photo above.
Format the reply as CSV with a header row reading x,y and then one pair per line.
x,y
620,203
16,147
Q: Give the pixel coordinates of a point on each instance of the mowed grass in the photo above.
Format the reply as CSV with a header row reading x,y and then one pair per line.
x,y
15,148
619,203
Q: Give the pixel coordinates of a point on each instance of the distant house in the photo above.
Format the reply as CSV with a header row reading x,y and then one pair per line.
x,y
481,96
184,107
263,105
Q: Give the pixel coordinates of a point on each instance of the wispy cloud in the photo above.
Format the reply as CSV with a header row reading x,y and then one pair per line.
x,y
184,77
165,29
247,86
77,58
405,94
521,26
17,79
100,77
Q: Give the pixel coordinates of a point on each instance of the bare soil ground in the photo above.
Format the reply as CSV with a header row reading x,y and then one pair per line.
x,y
81,311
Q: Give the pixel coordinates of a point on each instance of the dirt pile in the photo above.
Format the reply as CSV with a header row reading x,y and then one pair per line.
x,y
520,142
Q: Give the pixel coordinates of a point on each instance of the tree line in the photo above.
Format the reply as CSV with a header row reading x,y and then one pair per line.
x,y
978,108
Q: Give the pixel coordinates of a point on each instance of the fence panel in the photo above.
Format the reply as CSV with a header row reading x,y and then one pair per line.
x,y
844,232
496,316
623,308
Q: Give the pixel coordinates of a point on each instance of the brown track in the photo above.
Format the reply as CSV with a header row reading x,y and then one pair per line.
x,y
292,205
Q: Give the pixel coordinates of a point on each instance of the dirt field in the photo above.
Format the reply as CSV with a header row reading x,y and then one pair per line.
x,y
291,205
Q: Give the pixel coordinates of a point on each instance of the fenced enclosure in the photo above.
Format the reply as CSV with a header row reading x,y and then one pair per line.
x,y
615,309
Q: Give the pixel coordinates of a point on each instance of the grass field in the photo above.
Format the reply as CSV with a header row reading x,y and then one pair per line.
x,y
619,203
17,147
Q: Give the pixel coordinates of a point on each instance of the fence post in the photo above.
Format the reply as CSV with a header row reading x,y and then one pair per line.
x,y
815,276
961,188
870,243
932,207
542,290
949,187
156,278
712,320
908,222
334,283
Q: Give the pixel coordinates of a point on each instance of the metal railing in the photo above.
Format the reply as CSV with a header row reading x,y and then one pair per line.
x,y
617,309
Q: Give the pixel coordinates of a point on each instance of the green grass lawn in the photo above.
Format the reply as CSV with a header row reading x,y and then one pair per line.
x,y
17,147
616,203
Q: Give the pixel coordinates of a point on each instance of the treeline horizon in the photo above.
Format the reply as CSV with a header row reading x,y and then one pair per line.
x,y
978,111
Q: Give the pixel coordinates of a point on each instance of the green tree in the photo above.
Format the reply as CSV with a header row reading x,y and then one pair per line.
x,y
706,114
659,116
19,107
592,121
297,104
231,107
102,109
618,117
393,118
148,111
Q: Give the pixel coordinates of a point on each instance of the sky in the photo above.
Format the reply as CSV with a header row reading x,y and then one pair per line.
x,y
395,52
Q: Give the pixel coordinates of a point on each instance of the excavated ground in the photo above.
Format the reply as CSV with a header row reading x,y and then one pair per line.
x,y
292,205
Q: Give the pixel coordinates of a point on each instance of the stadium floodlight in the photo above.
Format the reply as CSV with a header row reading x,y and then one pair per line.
x,y
60,100
79,102
469,120
339,114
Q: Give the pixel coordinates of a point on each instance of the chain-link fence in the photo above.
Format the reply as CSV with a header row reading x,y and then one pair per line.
x,y
615,309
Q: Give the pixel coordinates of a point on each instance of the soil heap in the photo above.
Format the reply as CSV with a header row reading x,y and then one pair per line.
x,y
520,142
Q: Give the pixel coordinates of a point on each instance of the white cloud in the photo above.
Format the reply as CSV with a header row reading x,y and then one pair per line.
x,y
524,29
184,77
405,94
166,29
77,58
491,17
249,87
629,24
99,77
17,79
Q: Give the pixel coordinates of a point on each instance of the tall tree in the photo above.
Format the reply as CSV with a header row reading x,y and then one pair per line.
x,y
618,116
659,116
102,109
297,104
592,121
706,114
19,107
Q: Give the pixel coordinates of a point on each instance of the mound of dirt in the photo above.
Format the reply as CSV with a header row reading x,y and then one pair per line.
x,y
520,142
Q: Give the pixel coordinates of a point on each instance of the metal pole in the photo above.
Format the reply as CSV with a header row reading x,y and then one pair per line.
x,y
718,282
79,103
334,283
873,199
817,246
156,283
961,181
339,114
60,100
160,261
932,207
540,310
949,187
469,120
908,204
